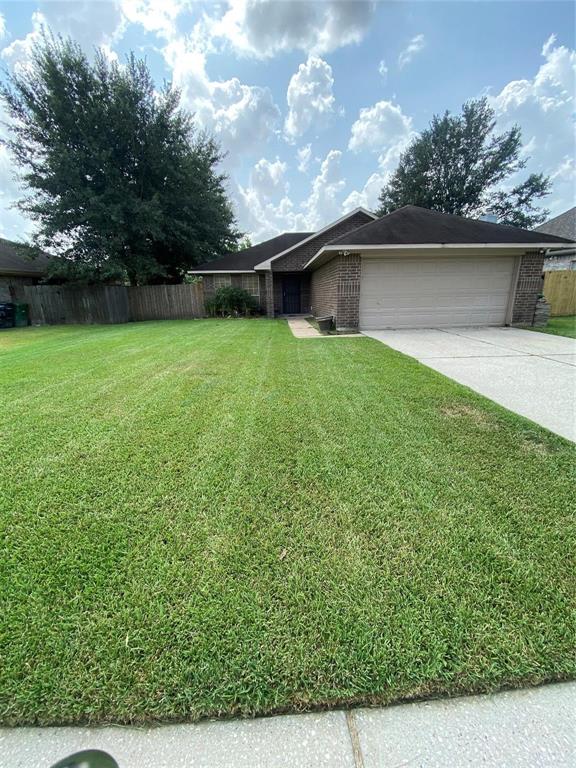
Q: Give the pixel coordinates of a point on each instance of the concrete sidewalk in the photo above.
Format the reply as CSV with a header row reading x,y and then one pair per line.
x,y
517,729
530,373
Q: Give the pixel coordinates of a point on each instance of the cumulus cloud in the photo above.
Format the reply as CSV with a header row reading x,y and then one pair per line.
x,y
88,23
265,209
309,96
414,47
543,107
380,127
325,200
240,116
267,178
263,28
158,16
304,156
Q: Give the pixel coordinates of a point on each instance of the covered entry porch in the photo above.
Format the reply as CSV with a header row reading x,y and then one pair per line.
x,y
287,293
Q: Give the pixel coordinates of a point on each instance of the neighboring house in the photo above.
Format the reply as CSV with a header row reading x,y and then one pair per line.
x,y
561,226
413,268
18,269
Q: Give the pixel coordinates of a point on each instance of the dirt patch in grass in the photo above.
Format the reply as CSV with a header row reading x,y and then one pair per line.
x,y
471,413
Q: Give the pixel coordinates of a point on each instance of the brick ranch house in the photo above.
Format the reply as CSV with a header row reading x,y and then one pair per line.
x,y
413,268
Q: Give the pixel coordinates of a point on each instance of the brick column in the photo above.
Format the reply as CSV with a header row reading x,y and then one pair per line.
x,y
348,293
528,288
269,294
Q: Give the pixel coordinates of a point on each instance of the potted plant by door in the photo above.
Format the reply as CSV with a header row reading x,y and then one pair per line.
x,y
324,323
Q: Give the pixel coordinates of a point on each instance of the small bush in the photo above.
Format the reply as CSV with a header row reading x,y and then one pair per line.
x,y
231,301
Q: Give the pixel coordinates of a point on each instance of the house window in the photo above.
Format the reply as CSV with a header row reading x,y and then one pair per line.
x,y
221,281
251,284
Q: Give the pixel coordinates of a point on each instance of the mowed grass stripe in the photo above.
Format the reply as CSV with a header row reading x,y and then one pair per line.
x,y
226,519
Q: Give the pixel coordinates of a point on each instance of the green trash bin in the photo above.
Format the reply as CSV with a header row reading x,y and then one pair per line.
x,y
21,319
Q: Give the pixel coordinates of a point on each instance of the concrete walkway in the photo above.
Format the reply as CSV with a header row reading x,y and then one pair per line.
x,y
530,373
517,729
302,329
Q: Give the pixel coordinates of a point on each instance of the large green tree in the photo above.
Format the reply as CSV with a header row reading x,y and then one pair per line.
x,y
119,180
459,165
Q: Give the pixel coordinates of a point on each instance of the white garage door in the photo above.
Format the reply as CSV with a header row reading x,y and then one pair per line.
x,y
434,292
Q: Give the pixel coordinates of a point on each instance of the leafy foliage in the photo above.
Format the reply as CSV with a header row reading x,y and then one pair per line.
x,y
241,245
230,300
458,164
119,180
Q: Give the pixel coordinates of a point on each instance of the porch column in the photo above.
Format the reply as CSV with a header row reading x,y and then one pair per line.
x,y
348,293
269,294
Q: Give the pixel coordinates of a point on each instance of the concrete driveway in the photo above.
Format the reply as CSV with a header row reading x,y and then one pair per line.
x,y
533,374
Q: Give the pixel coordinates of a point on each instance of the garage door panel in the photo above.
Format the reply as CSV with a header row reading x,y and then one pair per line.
x,y
413,293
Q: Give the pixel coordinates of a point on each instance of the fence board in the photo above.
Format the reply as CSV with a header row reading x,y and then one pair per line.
x,y
55,304
560,291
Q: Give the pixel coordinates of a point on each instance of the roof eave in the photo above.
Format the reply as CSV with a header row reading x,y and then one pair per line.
x,y
419,246
219,271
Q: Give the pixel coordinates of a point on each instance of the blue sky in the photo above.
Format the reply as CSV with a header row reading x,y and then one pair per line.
x,y
314,102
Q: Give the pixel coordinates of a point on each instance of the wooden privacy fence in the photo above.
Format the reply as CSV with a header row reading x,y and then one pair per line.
x,y
55,304
560,291
166,302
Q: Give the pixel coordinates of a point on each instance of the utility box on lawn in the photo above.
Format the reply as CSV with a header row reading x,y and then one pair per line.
x,y
21,316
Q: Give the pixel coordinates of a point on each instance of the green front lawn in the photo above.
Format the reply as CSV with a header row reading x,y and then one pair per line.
x,y
560,326
213,517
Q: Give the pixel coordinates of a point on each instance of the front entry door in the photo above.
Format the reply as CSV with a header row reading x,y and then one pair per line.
x,y
291,295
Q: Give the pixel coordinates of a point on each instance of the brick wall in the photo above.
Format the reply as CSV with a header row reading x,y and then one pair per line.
x,y
348,313
269,278
296,259
336,291
324,289
528,288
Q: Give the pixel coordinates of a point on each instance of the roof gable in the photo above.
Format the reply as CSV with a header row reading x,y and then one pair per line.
x,y
320,237
245,260
412,225
563,225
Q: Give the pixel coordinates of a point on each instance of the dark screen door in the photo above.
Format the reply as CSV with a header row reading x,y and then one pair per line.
x,y
291,295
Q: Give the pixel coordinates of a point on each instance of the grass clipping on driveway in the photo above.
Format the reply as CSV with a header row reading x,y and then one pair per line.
x,y
215,518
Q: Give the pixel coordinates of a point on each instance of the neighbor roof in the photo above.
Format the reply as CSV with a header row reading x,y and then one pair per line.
x,y
412,225
562,226
14,260
246,260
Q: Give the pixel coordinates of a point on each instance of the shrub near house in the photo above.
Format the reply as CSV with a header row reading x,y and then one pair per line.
x,y
231,301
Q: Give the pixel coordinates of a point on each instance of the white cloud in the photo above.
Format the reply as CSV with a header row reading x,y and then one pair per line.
x,y
267,179
263,28
240,116
325,201
88,23
383,69
380,127
414,47
265,209
158,16
543,107
2,27
309,96
304,155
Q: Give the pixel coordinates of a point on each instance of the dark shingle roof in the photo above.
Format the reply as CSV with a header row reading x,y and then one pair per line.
x,y
561,226
15,260
412,225
249,257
